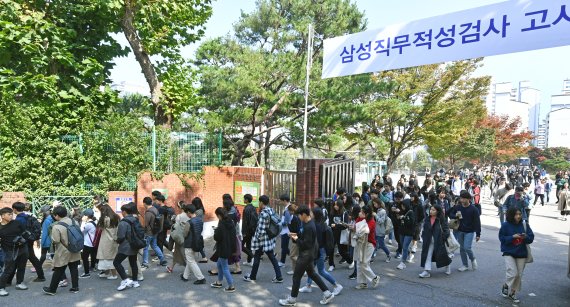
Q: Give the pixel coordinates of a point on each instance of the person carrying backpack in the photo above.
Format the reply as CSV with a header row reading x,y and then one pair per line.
x,y
130,237
168,215
89,229
63,257
33,226
152,227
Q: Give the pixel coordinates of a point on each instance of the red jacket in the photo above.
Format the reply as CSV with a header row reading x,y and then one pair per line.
x,y
372,228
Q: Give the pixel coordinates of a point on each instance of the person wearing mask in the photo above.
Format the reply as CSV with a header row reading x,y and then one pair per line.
x,y
308,251
365,235
225,237
249,224
88,228
469,227
13,245
518,200
435,234
200,212
514,235
125,230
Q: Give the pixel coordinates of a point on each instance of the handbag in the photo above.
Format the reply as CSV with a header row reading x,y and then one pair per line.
x,y
451,244
344,234
454,224
529,258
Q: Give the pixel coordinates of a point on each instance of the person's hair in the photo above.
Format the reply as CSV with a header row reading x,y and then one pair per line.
x,y
508,186
378,202
264,199
427,182
6,210
19,206
161,198
398,195
368,212
340,191
190,208
221,213
356,195
248,198
365,189
285,197
414,197
59,211
340,205
519,189
319,202
511,214
374,191
147,201
156,193
228,204
475,181
303,210
107,211
292,208
464,194
318,215
439,211
129,208
226,196
197,202
526,185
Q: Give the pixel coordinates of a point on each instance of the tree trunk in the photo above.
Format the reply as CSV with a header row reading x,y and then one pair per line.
x,y
143,58
266,152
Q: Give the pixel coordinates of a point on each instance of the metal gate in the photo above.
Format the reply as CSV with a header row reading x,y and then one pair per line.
x,y
336,174
277,183
69,202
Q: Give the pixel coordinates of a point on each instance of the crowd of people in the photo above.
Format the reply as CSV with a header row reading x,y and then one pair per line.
x,y
441,216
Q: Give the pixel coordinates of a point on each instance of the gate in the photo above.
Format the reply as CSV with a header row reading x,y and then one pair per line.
x,y
336,174
69,202
277,183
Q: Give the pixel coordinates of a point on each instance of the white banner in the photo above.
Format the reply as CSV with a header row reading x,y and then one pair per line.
x,y
501,28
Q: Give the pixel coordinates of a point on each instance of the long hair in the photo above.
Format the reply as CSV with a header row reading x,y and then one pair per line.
x,y
107,211
221,213
340,205
197,202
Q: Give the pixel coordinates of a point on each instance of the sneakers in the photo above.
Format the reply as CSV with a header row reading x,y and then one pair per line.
x,y
390,242
200,281
337,289
85,275
289,301
143,266
248,263
62,284
135,284
21,286
388,258
216,285
74,290
462,268
398,256
505,291
306,289
351,265
514,298
410,258
361,287
247,278
168,269
38,279
281,264
276,280
352,276
47,291
342,261
448,270
124,284
155,259
414,249
327,298
290,272
425,274
401,266
163,263
230,289
375,281
474,264
3,292
331,268
112,277
182,277
205,260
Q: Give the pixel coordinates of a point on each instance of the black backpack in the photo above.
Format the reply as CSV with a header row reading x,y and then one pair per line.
x,y
167,218
136,238
158,223
34,227
275,226
328,238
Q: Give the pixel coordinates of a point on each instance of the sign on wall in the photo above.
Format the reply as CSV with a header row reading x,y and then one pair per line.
x,y
242,187
506,27
120,201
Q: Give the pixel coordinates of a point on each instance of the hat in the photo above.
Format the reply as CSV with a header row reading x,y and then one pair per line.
x,y
45,209
88,212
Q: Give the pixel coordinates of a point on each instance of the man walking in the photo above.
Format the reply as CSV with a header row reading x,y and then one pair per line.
x,y
151,231
15,253
249,224
469,226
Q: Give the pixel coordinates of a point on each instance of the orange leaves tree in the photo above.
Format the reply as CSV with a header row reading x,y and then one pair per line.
x,y
511,141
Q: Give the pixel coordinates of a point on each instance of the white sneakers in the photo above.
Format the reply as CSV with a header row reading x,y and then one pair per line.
x,y
351,265
410,258
3,292
289,301
62,284
111,277
327,298
21,287
281,264
290,272
401,266
474,264
462,268
306,289
414,249
337,289
331,268
448,270
126,283
376,281
425,274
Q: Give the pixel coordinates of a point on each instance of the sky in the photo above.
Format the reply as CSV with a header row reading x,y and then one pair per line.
x,y
545,69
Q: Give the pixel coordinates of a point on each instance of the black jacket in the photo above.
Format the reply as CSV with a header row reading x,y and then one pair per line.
x,y
225,237
194,238
440,232
307,241
249,221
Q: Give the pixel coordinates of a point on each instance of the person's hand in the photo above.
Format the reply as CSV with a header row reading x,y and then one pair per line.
x,y
333,225
38,244
516,236
477,239
293,236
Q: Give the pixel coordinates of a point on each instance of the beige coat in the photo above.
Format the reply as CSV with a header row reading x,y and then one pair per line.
x,y
178,254
362,250
59,240
564,203
108,245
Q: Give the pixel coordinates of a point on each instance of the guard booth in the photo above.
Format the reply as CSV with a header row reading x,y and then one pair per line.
x,y
374,168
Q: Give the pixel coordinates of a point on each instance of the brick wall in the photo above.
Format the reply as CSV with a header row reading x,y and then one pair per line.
x,y
122,196
308,180
8,198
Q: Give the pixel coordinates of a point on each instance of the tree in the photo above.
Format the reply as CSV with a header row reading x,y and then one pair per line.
x,y
159,29
253,82
510,140
421,161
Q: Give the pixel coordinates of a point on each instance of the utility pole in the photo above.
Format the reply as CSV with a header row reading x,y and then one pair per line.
x,y
309,65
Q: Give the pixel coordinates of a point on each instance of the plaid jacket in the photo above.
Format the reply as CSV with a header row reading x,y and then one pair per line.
x,y
260,239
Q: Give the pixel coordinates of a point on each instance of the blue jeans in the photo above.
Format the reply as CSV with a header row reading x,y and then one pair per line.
x,y
284,247
406,240
151,240
1,260
224,270
465,240
381,245
321,268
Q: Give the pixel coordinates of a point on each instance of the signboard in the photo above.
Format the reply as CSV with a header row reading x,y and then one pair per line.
x,y
120,201
242,187
506,27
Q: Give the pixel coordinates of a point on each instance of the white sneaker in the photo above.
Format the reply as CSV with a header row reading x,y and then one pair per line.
x,y
462,268
327,298
474,264
376,281
124,284
414,249
448,270
410,258
306,289
21,286
337,289
351,265
401,266
3,292
331,268
290,272
103,275
425,274
135,284
62,284
289,301
281,264
111,277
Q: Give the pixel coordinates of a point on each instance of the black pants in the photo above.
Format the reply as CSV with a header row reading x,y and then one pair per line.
x,y
331,257
161,240
397,236
527,215
45,251
305,263
14,259
59,272
117,262
246,247
343,251
88,251
35,261
537,196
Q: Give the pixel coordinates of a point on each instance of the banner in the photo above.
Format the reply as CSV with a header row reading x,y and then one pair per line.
x,y
506,27
242,187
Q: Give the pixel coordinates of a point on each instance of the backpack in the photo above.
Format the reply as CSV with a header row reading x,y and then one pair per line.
x,y
388,224
329,239
274,228
177,232
158,223
136,239
74,237
34,227
167,218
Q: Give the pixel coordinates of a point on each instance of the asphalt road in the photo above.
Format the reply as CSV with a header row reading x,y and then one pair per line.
x,y
545,282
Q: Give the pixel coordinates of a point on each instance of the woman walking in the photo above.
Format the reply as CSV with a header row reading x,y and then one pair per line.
x,y
225,237
365,235
564,201
340,220
180,223
108,245
435,233
514,235
381,217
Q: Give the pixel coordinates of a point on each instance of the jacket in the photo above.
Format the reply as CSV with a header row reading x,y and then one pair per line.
x,y
564,201
515,247
380,218
261,239
149,216
249,221
195,228
59,238
108,245
225,237
470,221
124,234
307,241
438,232
46,238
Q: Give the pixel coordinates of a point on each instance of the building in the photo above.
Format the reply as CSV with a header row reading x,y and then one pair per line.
x,y
542,135
559,118
505,100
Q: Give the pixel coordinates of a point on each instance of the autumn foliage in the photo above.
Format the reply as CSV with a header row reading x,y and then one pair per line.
x,y
511,141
